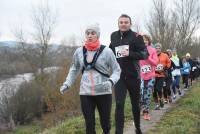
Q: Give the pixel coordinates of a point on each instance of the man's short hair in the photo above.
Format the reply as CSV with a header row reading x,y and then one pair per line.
x,y
125,16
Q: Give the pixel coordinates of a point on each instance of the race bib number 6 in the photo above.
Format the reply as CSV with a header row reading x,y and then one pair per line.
x,y
119,50
146,69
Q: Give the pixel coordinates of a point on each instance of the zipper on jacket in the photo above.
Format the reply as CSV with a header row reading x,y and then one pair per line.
x,y
92,82
121,38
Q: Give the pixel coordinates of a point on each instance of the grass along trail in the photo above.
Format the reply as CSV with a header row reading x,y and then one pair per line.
x,y
180,117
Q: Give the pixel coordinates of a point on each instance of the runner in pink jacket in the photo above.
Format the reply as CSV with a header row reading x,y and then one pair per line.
x,y
147,76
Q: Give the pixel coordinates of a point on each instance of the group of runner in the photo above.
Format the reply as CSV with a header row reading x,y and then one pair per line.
x,y
130,64
161,76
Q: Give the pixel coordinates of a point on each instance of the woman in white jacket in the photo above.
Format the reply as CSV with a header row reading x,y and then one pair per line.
x,y
100,71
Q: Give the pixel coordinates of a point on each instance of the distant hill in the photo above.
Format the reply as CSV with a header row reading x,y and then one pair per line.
x,y
13,44
8,43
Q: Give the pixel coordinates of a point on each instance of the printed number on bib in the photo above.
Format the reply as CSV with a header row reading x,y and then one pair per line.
x,y
120,49
159,67
146,69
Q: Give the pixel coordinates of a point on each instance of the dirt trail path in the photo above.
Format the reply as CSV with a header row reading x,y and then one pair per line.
x,y
156,115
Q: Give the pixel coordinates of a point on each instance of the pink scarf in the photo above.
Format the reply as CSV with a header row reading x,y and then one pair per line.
x,y
92,46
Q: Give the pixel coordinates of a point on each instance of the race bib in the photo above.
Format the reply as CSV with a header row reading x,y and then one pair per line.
x,y
194,68
159,67
120,49
146,69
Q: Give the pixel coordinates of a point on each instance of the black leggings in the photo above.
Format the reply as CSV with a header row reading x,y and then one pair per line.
x,y
192,77
103,104
185,78
133,86
167,88
158,88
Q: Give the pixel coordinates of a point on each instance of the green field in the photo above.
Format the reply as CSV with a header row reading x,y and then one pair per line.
x,y
184,118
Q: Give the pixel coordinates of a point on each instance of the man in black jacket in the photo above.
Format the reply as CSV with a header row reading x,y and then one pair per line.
x,y
128,48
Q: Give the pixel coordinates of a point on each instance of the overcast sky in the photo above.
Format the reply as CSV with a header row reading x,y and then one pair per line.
x,y
74,16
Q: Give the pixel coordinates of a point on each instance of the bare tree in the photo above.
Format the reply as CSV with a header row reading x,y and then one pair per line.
x,y
174,28
44,23
161,26
188,21
30,53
